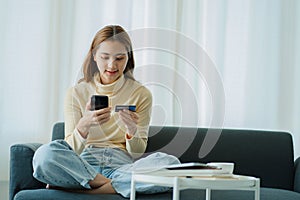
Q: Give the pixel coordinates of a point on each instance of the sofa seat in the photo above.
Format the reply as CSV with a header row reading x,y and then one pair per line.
x,y
265,194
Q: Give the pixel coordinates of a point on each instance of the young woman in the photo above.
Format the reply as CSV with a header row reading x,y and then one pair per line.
x,y
97,155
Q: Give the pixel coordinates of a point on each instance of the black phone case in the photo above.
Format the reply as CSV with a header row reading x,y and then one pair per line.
x,y
99,102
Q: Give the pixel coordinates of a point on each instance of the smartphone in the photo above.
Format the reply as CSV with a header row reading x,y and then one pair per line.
x,y
99,102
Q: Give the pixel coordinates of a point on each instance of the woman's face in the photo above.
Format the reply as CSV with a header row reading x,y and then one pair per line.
x,y
111,58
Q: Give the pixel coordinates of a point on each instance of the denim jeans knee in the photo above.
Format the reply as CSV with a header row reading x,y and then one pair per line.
x,y
121,178
57,164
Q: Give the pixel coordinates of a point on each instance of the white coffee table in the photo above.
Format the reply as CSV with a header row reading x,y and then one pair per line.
x,y
207,182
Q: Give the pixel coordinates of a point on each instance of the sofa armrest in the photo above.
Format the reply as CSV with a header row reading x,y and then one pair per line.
x,y
297,175
21,168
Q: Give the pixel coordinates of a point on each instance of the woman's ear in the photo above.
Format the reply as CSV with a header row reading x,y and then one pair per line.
x,y
94,57
93,54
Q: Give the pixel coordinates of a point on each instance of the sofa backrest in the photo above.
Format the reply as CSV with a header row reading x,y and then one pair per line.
x,y
58,131
267,155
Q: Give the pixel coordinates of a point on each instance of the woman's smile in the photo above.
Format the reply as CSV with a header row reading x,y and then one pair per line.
x,y
111,72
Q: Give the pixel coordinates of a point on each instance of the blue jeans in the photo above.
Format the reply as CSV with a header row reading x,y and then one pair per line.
x,y
57,164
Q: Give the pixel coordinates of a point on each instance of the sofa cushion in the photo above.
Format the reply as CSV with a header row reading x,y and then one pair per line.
x,y
265,194
21,168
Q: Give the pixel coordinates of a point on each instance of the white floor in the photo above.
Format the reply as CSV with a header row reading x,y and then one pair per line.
x,y
3,190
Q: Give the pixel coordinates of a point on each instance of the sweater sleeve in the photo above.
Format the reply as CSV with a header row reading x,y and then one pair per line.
x,y
136,146
72,114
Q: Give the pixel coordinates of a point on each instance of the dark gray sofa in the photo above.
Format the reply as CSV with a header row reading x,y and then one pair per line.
x,y
267,155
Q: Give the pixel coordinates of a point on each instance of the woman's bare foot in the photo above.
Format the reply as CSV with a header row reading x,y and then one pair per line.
x,y
99,185
53,187
104,189
98,181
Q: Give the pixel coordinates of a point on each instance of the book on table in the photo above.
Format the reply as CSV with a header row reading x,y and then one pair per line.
x,y
188,169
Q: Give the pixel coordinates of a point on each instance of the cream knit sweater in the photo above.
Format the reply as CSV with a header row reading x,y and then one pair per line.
x,y
112,133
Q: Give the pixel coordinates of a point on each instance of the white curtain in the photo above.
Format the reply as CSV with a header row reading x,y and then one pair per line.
x,y
251,47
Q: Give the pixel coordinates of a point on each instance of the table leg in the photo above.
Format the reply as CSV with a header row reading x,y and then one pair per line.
x,y
256,194
257,190
208,192
175,189
132,192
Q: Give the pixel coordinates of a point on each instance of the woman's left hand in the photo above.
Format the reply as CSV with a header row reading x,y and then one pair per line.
x,y
130,119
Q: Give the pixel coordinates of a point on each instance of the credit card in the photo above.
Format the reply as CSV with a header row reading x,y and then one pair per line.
x,y
125,107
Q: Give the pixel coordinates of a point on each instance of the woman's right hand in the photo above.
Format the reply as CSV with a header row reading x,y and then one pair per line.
x,y
92,118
